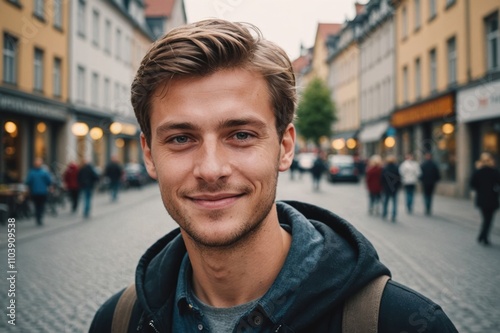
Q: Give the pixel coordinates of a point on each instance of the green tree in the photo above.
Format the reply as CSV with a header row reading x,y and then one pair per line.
x,y
315,112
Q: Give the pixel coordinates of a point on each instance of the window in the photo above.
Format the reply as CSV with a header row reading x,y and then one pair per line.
x,y
118,43
492,41
117,95
81,18
38,8
452,61
80,84
432,9
107,37
107,94
405,84
58,13
405,23
95,27
418,79
56,77
417,14
450,2
432,71
95,89
38,70
9,59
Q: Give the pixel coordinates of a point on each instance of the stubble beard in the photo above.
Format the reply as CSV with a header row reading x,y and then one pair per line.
x,y
246,230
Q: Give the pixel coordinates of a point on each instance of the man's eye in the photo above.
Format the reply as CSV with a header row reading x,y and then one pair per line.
x,y
180,139
242,135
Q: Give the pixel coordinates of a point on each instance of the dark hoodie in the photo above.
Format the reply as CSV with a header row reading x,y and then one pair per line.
x,y
329,260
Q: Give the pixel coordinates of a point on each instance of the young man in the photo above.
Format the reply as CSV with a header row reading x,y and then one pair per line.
x,y
216,102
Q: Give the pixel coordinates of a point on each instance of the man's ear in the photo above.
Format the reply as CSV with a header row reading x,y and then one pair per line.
x,y
287,148
148,159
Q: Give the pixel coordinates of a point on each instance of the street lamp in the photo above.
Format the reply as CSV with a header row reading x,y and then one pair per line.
x,y
96,133
79,129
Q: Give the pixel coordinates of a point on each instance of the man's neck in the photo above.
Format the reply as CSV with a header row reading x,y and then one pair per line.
x,y
229,277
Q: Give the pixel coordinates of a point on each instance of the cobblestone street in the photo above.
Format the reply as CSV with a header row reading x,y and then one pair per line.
x,y
69,267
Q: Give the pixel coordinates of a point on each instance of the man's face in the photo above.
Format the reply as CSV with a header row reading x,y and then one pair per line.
x,y
216,154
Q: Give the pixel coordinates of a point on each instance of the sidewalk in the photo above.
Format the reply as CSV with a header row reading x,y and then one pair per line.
x,y
102,207
460,211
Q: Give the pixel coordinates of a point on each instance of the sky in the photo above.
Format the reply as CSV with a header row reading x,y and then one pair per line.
x,y
288,23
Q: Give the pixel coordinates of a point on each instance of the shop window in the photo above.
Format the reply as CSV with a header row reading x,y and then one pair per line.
x,y
41,140
11,152
445,149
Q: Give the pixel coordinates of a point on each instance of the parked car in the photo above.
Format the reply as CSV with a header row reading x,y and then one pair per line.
x,y
306,161
135,175
342,168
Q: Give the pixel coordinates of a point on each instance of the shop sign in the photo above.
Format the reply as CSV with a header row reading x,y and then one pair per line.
x,y
479,103
441,107
30,107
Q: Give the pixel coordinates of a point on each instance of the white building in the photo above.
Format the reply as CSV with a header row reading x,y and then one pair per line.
x,y
101,70
377,55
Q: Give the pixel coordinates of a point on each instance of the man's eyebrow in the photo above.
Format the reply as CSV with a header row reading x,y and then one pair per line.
x,y
169,126
229,123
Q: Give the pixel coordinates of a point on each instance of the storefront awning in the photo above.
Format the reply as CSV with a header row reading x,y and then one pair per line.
x,y
373,132
345,135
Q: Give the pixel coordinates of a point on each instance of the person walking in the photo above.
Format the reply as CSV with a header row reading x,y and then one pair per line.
x,y
410,172
70,178
391,182
216,103
429,177
114,172
486,182
317,170
87,178
39,181
374,183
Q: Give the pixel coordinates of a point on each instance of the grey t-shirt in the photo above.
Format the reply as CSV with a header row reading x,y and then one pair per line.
x,y
223,320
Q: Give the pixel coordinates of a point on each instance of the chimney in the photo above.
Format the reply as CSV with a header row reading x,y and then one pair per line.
x,y
360,8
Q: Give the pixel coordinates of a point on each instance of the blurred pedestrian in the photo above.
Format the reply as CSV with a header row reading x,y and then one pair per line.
x,y
391,182
114,172
39,181
317,170
486,182
410,172
70,178
429,177
374,183
87,178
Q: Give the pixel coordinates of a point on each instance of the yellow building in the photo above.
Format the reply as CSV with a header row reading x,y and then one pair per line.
x,y
431,44
478,102
33,89
343,80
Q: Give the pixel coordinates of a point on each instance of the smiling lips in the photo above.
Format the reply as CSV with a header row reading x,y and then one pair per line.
x,y
215,201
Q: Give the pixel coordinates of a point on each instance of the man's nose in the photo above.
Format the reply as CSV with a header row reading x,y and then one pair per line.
x,y
212,162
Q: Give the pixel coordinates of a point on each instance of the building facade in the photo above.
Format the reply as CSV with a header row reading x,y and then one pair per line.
x,y
478,101
343,80
33,87
430,66
377,56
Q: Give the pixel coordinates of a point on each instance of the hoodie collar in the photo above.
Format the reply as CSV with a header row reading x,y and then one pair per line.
x,y
328,261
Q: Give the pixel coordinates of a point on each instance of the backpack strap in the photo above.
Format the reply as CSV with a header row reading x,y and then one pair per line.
x,y
361,310
123,310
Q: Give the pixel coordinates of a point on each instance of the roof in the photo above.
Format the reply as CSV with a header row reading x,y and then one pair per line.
x,y
327,29
159,8
300,63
